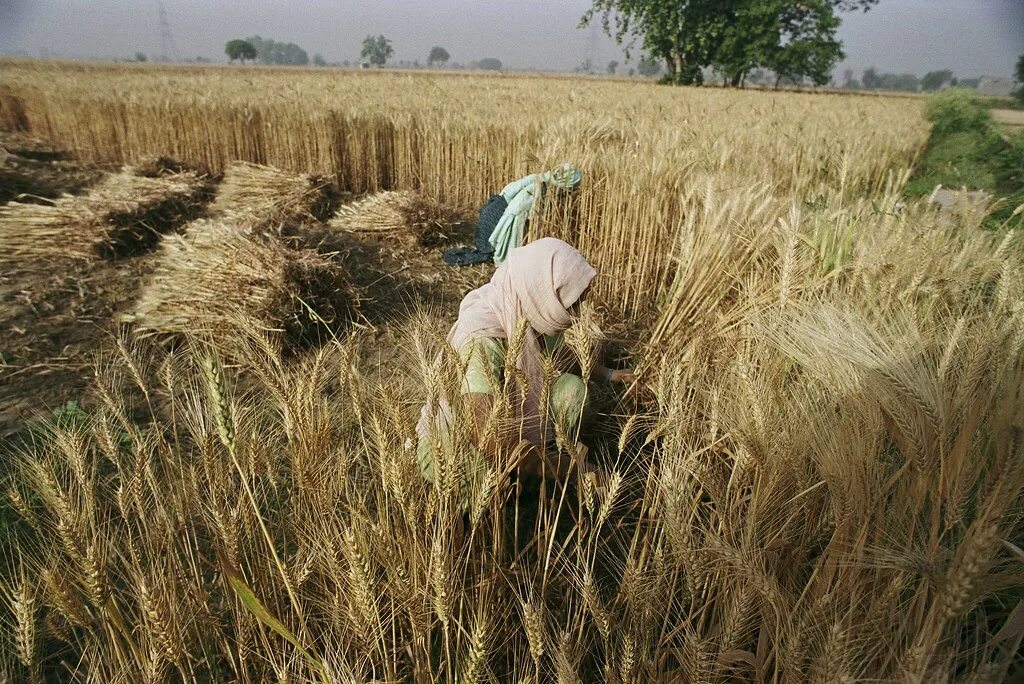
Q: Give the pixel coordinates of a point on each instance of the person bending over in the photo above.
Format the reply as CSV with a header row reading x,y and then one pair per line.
x,y
542,284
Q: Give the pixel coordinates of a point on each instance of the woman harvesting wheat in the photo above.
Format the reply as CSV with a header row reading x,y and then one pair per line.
x,y
506,336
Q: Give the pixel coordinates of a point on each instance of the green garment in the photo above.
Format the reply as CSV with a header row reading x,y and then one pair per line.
x,y
521,195
485,364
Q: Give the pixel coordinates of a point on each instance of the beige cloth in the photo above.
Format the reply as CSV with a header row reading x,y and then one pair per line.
x,y
539,282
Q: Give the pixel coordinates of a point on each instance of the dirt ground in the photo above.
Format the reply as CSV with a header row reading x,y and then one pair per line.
x,y
53,325
1011,119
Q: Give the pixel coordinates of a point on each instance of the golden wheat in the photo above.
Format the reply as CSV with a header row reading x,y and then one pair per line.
x,y
820,478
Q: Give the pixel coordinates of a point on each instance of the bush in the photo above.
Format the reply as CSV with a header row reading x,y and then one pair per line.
x,y
966,149
957,110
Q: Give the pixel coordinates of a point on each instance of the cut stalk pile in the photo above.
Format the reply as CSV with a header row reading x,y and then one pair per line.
x,y
266,199
123,214
409,215
216,275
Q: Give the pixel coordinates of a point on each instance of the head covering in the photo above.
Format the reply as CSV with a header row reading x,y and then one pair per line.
x,y
539,282
565,176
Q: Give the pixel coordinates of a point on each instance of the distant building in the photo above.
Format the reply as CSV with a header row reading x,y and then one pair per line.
x,y
1003,86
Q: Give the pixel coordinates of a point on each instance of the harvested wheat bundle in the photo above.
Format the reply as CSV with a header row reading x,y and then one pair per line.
x,y
408,214
264,198
157,166
217,273
123,214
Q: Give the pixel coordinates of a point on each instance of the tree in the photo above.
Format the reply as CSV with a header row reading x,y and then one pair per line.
x,y
438,56
489,64
612,67
269,51
810,50
140,56
934,80
585,67
904,82
735,36
649,67
869,79
1020,79
318,60
377,50
240,49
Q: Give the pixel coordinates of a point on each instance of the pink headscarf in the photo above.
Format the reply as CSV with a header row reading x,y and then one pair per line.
x,y
538,282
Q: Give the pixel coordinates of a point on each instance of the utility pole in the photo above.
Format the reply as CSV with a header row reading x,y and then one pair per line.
x,y
168,50
592,46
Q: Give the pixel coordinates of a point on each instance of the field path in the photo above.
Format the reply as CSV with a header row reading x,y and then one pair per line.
x,y
1011,119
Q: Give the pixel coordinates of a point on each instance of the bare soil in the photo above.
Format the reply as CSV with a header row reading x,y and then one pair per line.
x,y
1012,120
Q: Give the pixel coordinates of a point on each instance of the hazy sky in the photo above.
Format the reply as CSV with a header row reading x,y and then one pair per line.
x,y
973,37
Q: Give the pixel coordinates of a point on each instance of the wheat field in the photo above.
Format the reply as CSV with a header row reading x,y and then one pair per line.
x,y
817,478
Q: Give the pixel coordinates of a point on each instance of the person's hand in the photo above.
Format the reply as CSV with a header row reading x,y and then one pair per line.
x,y
624,376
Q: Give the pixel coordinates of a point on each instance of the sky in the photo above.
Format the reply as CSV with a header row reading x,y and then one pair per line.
x,y
972,37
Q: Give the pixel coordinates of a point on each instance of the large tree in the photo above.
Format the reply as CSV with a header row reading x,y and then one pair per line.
x,y
270,51
376,51
240,49
438,56
736,36
489,64
934,80
807,49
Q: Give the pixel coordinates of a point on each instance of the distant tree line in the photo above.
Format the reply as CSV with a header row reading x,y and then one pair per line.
x,y
375,51
933,81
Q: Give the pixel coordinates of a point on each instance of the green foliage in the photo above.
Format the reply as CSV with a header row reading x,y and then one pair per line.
x,y
612,67
957,111
69,414
376,50
318,60
649,67
872,80
269,51
966,150
795,39
240,49
810,50
1020,79
489,64
934,80
438,55
261,613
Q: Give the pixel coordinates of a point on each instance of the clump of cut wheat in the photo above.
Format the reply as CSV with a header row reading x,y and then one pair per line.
x,y
216,272
121,215
407,214
266,198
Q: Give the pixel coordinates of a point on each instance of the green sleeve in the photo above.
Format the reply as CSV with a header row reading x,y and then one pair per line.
x,y
484,359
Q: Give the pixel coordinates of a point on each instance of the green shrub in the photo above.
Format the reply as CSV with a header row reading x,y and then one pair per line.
x,y
967,150
957,110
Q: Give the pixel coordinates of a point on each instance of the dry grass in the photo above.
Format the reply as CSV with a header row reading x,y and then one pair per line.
x,y
408,215
121,215
216,272
819,478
